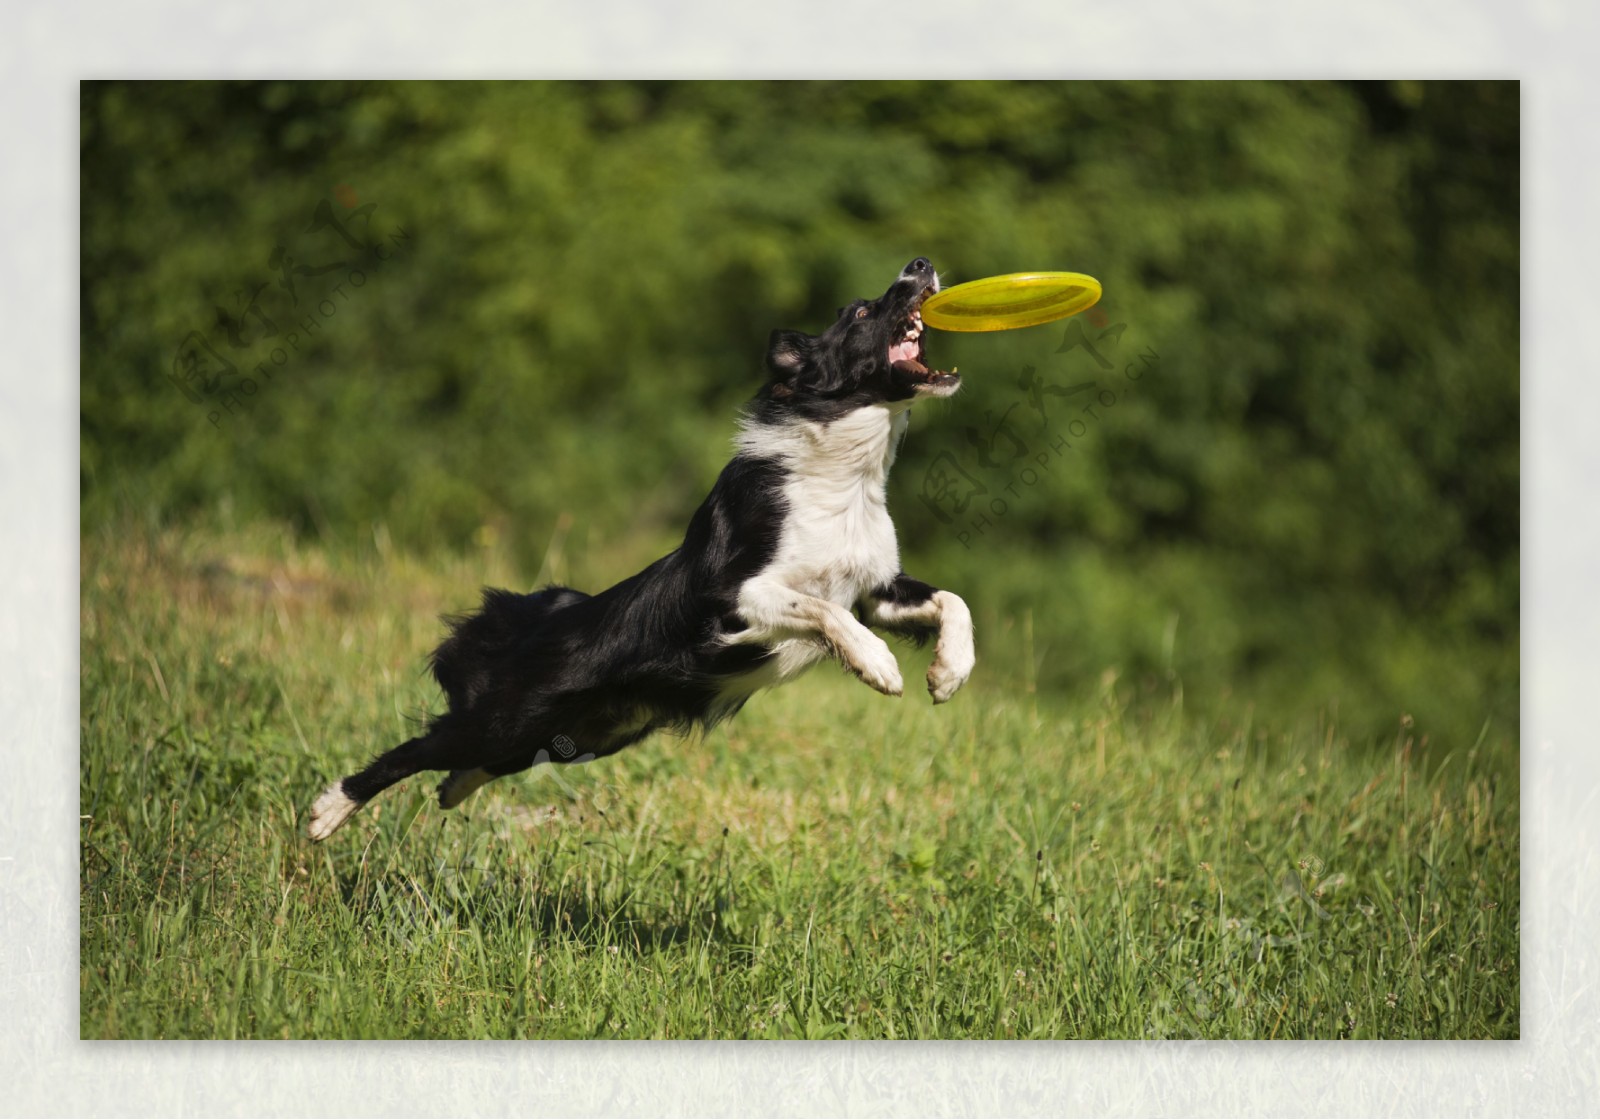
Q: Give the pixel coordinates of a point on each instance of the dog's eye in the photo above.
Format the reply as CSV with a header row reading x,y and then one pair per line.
x,y
861,313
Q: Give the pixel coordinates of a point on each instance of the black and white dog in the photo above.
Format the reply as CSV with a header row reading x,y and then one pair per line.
x,y
790,559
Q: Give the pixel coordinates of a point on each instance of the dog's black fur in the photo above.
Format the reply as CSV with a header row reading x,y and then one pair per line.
x,y
561,676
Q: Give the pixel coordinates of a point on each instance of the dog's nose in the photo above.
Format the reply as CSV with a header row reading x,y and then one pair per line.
x,y
921,264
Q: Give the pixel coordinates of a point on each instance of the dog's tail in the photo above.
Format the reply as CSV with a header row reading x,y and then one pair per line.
x,y
465,662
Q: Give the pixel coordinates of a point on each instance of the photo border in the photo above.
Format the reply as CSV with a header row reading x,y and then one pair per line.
x,y
1550,1072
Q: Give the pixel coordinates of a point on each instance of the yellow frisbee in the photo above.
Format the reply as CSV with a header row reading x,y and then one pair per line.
x,y
1004,303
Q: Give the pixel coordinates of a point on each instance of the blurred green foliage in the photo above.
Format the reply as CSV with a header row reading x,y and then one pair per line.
x,y
1309,499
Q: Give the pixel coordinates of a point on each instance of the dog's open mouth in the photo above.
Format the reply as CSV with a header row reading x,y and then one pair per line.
x,y
908,355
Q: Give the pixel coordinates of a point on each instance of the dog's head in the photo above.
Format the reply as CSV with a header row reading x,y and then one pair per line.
x,y
872,354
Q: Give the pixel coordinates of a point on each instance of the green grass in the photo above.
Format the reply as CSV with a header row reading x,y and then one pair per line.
x,y
830,864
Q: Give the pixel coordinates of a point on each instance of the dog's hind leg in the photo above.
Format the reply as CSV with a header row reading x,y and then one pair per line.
x,y
329,811
340,801
462,784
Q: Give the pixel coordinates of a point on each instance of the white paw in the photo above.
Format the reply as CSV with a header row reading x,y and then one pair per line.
x,y
330,811
955,656
874,663
946,675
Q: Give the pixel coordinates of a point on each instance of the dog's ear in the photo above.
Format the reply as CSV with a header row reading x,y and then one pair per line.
x,y
788,352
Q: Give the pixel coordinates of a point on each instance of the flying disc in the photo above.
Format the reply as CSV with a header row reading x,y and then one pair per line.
x,y
1004,303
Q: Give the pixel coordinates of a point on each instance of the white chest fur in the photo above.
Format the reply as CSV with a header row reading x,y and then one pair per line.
x,y
837,541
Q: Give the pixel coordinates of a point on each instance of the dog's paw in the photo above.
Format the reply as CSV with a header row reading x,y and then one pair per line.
x,y
955,656
945,678
874,663
330,811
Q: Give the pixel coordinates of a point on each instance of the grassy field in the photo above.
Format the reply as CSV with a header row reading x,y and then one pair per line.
x,y
832,863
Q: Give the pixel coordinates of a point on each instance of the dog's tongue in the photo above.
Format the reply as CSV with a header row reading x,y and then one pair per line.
x,y
904,350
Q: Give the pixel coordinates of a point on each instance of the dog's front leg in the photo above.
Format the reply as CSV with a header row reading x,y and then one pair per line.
x,y
774,613
909,606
